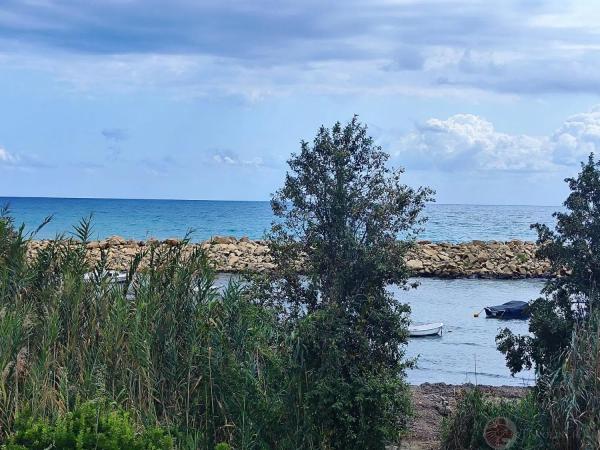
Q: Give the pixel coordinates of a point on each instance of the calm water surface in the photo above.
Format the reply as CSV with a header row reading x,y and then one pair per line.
x,y
140,219
466,353
467,350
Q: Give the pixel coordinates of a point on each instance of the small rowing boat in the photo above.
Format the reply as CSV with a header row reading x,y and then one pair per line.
x,y
426,329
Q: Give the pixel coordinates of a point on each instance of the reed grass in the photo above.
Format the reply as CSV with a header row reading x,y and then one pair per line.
x,y
208,365
465,428
562,412
571,398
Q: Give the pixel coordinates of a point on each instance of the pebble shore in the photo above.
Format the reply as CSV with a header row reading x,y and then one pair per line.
x,y
476,259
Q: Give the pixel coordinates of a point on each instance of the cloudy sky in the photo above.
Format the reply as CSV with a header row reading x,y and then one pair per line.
x,y
487,102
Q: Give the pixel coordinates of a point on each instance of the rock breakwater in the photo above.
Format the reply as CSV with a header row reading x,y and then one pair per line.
x,y
476,259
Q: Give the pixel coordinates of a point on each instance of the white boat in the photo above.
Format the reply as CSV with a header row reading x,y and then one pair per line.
x,y
426,329
113,276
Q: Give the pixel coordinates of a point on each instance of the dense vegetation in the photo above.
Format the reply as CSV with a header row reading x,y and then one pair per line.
x,y
570,399
573,250
340,212
563,411
89,425
465,429
167,347
168,360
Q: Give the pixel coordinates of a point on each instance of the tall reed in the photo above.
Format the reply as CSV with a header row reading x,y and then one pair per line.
x,y
571,398
167,345
562,412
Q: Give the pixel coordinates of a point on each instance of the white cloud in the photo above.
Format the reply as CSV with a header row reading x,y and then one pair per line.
x,y
160,166
234,160
466,141
469,142
418,48
7,158
20,161
578,136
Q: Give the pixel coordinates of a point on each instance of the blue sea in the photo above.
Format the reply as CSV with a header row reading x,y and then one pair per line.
x,y
141,219
465,353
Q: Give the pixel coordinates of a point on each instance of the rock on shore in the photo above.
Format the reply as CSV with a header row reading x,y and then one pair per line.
x,y
476,259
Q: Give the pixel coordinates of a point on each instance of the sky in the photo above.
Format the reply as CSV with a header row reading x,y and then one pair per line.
x,y
486,102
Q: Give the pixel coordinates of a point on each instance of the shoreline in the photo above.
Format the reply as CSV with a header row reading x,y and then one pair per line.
x,y
475,259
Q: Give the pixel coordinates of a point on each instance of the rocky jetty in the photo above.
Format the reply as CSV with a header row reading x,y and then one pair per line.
x,y
476,259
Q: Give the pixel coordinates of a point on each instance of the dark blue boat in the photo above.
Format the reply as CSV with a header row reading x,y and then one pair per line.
x,y
509,310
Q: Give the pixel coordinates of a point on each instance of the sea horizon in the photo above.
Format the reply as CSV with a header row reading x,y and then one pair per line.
x,y
142,219
2,197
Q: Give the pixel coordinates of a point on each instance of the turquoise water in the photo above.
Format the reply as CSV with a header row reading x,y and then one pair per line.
x,y
140,219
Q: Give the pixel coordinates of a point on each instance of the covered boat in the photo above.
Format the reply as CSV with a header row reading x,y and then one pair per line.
x,y
427,329
509,310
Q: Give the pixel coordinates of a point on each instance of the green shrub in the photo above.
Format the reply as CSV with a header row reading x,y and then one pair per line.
x,y
347,403
563,412
572,251
90,426
571,397
464,429
522,258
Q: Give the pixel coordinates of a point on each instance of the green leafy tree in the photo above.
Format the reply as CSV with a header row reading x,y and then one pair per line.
x,y
336,247
573,250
